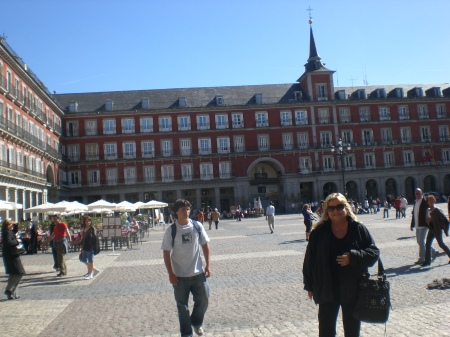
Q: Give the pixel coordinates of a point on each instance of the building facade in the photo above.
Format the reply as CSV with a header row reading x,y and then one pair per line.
x,y
226,146
30,128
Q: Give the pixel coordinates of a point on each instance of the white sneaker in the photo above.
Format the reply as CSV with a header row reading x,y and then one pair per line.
x,y
87,274
199,330
90,276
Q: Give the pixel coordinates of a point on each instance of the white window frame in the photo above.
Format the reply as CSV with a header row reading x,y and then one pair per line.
x,y
321,91
305,165
324,115
109,154
263,142
408,158
148,148
364,114
93,178
328,163
286,117
221,121
369,160
167,174
389,159
384,113
187,172
91,127
204,146
347,137
288,142
74,178
166,148
403,112
91,150
111,176
184,123
146,124
262,119
386,135
422,111
237,120
73,152
425,134
73,129
238,143
206,171
224,170
165,123
325,139
367,137
223,145
446,155
185,146
149,173
303,140
301,117
344,115
203,122
128,125
130,175
405,135
443,133
109,126
129,150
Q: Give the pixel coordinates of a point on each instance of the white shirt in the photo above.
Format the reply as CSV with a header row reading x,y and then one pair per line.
x,y
270,210
416,211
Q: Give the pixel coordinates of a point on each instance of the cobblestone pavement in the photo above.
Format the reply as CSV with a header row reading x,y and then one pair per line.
x,y
256,288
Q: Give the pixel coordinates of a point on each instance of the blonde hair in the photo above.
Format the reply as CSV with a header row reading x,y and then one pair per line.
x,y
343,200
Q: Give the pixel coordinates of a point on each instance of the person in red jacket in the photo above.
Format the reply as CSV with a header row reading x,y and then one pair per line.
x,y
398,207
61,237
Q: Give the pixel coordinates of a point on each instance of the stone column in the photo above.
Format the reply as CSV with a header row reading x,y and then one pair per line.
x,y
217,198
198,198
17,216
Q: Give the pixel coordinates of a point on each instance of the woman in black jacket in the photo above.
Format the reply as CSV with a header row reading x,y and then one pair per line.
x,y
339,251
11,259
87,248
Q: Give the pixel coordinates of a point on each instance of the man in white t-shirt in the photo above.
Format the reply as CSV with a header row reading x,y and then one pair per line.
x,y
270,216
404,204
185,267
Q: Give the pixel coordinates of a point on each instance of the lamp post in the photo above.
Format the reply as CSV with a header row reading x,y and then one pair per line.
x,y
339,152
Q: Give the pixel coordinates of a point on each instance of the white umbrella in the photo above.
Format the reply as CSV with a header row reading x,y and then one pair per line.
x,y
101,210
154,204
102,204
125,206
68,206
6,206
138,204
43,208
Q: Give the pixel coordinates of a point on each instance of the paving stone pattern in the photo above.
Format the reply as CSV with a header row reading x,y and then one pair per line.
x,y
256,288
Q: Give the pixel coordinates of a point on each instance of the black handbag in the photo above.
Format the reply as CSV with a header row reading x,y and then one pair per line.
x,y
374,302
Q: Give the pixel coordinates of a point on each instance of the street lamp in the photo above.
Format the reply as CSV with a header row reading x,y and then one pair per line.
x,y
339,152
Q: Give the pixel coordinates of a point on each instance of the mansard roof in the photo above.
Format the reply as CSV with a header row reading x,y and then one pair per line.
x,y
197,98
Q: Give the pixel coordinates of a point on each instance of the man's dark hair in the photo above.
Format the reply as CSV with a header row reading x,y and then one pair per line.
x,y
180,203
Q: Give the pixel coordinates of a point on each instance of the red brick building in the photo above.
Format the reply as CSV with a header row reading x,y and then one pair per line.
x,y
224,146
30,127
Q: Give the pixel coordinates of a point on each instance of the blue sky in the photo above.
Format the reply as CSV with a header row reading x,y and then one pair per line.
x,y
115,45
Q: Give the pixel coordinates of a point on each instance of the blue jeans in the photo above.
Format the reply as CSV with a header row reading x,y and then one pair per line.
x,y
199,288
421,234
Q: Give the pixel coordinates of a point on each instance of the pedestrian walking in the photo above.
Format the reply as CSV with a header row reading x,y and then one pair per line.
x,y
216,217
11,259
308,217
437,223
61,237
339,251
419,222
386,209
181,251
270,216
87,248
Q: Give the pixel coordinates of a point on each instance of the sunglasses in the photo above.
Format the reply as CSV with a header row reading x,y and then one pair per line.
x,y
339,207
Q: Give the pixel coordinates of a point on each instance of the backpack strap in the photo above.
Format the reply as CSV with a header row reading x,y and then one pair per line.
x,y
174,230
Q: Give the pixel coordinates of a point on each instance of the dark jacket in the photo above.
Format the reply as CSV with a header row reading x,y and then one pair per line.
x,y
11,259
317,269
439,220
422,214
87,240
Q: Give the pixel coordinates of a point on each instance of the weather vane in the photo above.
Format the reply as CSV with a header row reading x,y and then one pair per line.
x,y
310,17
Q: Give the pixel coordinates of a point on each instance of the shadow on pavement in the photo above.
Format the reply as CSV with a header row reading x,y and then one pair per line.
x,y
410,269
293,241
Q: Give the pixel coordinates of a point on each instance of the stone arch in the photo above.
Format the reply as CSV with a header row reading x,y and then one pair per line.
x,y
329,188
446,190
50,175
391,188
275,164
429,183
371,188
410,187
352,190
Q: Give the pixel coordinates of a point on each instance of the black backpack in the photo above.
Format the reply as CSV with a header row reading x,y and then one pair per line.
x,y
174,230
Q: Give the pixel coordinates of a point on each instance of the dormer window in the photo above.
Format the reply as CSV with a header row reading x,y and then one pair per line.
x,y
415,92
258,99
182,102
73,106
219,100
433,92
109,105
145,103
321,92
298,96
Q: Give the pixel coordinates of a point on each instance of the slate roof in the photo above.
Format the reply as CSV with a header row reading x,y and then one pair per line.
x,y
237,96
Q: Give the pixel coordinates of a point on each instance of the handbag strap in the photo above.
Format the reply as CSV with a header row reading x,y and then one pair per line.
x,y
381,274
